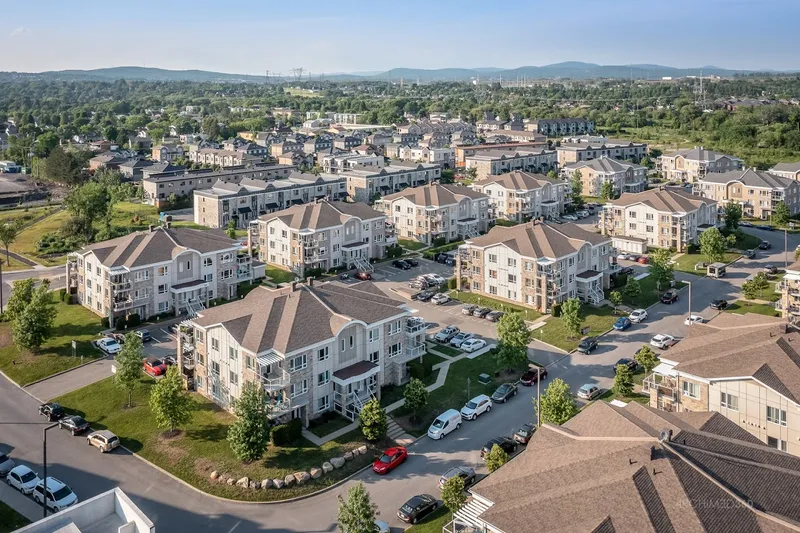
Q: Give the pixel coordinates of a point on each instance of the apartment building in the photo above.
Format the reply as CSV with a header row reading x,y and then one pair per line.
x,y
585,151
463,152
744,367
790,293
517,136
337,163
491,163
692,165
313,348
222,158
537,264
623,176
661,218
163,270
442,156
167,152
787,170
364,185
157,188
757,192
560,126
245,201
433,211
631,468
521,196
322,235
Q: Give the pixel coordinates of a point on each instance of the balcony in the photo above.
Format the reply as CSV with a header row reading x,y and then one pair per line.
x,y
278,406
665,386
414,351
121,286
415,325
122,305
276,380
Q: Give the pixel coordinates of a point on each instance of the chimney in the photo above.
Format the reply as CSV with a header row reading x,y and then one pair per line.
x,y
168,225
652,453
310,281
294,286
152,228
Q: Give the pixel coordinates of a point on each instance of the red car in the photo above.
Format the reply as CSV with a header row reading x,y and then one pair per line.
x,y
154,367
529,378
390,459
643,260
364,276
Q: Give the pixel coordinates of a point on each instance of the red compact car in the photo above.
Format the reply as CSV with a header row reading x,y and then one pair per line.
x,y
389,460
364,276
643,260
154,367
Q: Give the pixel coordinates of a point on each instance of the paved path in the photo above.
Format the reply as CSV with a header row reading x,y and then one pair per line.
x,y
74,379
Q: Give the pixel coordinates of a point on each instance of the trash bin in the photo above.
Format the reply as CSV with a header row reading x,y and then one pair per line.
x,y
484,379
672,283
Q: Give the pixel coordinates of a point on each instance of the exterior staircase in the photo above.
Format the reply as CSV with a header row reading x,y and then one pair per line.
x,y
193,307
397,434
363,265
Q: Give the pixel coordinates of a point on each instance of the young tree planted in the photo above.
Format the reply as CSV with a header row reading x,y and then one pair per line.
x,y
557,404
34,324
129,365
453,495
8,235
615,297
571,316
781,214
607,190
623,381
632,290
248,436
357,513
660,267
647,358
733,215
416,396
576,190
171,406
712,245
496,458
372,420
513,336
231,229
754,288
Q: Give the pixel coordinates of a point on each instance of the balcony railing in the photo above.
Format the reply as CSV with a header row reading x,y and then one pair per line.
x,y
415,327
276,380
415,350
278,407
664,385
123,305
121,286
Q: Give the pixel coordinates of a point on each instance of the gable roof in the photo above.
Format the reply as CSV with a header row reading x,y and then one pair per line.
x,y
664,200
435,195
604,164
787,167
698,153
540,240
749,177
519,181
323,214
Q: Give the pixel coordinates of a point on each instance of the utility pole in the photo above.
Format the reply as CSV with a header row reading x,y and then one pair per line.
x,y
538,397
690,301
44,462
785,255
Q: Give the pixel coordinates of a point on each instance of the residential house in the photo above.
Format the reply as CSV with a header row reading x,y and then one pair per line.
x,y
222,158
462,152
787,170
138,143
337,163
435,139
515,123
136,169
521,196
584,151
406,138
623,176
506,136
491,163
490,122
100,146
380,138
168,152
317,143
107,161
553,127
757,192
363,185
692,165
346,142
253,149
300,160
537,264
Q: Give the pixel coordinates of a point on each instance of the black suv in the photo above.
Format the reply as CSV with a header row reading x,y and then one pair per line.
x,y
630,363
504,392
587,345
765,245
417,508
508,445
669,297
73,424
402,265
52,411
719,304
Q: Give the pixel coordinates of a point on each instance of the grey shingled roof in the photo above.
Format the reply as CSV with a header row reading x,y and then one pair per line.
x,y
787,167
749,177
603,164
540,240
323,214
698,153
519,181
435,195
664,200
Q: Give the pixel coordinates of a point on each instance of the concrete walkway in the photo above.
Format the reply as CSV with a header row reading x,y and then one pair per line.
x,y
71,380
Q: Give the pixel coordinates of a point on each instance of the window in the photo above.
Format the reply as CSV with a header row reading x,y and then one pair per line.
x,y
234,379
298,363
215,368
248,362
351,341
89,284
208,261
632,226
163,307
301,387
692,390
776,416
163,289
571,261
141,275
512,262
199,335
232,353
394,328
226,274
163,270
374,335
729,401
200,382
778,444
512,278
140,294
324,403
492,289
215,344
395,349
323,378
493,274
374,357
323,354
227,258
492,258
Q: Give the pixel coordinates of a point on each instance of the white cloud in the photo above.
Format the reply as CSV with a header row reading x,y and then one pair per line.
x,y
16,32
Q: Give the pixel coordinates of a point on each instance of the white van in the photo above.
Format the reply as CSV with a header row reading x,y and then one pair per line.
x,y
446,422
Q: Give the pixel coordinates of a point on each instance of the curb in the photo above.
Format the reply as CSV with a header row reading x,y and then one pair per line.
x,y
62,372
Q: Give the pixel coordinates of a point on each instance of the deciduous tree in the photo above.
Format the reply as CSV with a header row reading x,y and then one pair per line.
x,y
660,267
372,420
754,287
129,365
623,381
576,190
357,513
733,215
712,245
781,214
607,190
34,324
169,403
571,316
632,290
416,396
615,297
248,436
557,403
453,494
647,358
496,458
513,336
21,294
231,229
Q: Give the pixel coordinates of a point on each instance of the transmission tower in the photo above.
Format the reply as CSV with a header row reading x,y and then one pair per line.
x,y
298,73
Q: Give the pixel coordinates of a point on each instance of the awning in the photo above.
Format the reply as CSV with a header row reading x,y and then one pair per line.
x,y
343,194
245,210
269,358
665,370
271,205
384,187
189,285
355,372
297,201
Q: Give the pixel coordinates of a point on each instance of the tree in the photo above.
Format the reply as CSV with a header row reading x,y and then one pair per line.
x,y
453,493
616,298
712,245
730,240
780,214
557,403
416,396
552,174
754,287
21,294
169,403
471,173
372,420
623,381
34,324
647,358
733,215
571,316
576,190
496,458
129,365
607,190
45,143
249,433
447,177
660,267
63,168
513,336
357,513
231,229
90,203
632,289
796,254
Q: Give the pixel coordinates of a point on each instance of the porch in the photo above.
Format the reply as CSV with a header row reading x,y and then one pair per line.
x,y
353,386
468,228
190,297
590,286
274,381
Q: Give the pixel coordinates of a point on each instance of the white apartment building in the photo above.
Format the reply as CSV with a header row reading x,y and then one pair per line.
x,y
623,176
586,151
443,156
336,163
537,265
434,211
322,235
364,185
521,196
163,270
312,347
661,218
493,162
692,165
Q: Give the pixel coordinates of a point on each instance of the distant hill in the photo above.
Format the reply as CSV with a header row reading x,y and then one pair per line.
x,y
135,73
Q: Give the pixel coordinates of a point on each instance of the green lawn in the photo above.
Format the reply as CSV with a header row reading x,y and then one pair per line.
x,y
443,348
202,447
15,264
759,222
411,244
686,262
499,305
27,238
610,395
433,523
741,307
393,393
747,242
553,332
278,275
325,425
24,214
10,520
72,322
650,293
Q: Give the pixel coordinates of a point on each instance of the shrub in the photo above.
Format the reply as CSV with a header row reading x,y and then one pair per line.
x,y
439,241
284,434
556,310
691,249
104,322
120,323
134,320
314,272
420,370
452,283
62,294
395,251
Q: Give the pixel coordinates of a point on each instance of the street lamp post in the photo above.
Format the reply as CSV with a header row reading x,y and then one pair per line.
x,y
690,302
785,250
44,462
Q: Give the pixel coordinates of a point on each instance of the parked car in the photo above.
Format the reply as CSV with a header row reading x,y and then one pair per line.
x,y
468,309
439,299
6,464
750,254
669,297
770,269
587,345
639,315
435,279
693,319
764,245
622,323
154,367
425,296
643,260
119,337
745,224
530,377
630,363
411,262
767,227
103,440
626,270
418,284
417,508
582,214
391,459
569,217
589,392
504,392
471,345
446,334
623,255
524,434
74,424
460,338
52,411
719,304
445,423
363,276
508,445
633,257
109,345
381,527
476,407
144,335
663,341
23,479
494,316
481,312
464,472
402,265
59,495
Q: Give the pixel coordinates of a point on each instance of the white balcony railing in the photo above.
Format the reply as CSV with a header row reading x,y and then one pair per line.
x,y
275,381
123,305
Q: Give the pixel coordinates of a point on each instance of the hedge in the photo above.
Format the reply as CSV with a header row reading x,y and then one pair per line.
x,y
420,370
284,434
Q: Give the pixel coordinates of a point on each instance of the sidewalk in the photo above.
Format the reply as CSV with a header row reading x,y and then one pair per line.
x,y
71,380
24,505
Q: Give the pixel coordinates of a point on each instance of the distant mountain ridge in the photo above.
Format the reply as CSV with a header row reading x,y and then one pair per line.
x,y
566,70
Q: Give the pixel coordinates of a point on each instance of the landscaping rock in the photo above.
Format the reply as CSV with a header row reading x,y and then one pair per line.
x,y
231,481
277,483
348,456
337,462
362,449
327,467
255,485
301,477
316,473
267,484
214,474
289,480
222,478
243,482
355,452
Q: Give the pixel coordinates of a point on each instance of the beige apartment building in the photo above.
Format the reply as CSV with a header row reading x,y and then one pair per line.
x,y
757,192
623,176
313,348
537,264
744,367
521,196
692,165
163,270
660,218
436,211
365,185
222,158
787,170
491,163
323,235
463,152
790,293
586,151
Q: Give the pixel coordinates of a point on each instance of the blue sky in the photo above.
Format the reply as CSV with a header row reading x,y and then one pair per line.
x,y
249,36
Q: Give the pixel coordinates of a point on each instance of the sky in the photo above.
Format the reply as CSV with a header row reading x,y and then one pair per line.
x,y
252,36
